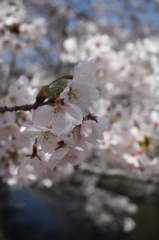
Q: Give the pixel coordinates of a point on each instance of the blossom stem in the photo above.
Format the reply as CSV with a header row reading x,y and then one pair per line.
x,y
70,77
35,143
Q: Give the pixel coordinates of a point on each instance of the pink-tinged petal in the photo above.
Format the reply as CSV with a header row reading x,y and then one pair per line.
x,y
32,132
26,161
59,153
84,108
64,95
81,92
61,124
98,132
76,157
75,113
42,116
94,94
86,130
86,91
38,166
78,140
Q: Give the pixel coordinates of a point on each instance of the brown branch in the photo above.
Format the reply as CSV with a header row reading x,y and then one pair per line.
x,y
26,107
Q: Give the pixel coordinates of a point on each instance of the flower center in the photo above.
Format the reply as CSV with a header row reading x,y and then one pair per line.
x,y
58,109
73,94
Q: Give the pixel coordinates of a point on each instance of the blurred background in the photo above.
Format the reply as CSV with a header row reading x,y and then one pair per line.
x,y
114,194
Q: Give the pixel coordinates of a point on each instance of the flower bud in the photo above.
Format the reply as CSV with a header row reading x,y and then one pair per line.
x,y
43,94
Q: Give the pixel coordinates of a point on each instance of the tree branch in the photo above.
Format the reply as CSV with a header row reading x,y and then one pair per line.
x,y
26,107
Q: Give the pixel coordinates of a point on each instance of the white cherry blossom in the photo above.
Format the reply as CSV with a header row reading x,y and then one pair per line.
x,y
45,136
65,155
91,131
63,117
78,92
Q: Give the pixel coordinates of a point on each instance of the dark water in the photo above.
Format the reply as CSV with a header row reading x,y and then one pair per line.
x,y
31,215
147,223
36,215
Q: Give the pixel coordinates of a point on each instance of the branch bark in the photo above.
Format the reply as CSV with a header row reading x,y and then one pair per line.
x,y
26,107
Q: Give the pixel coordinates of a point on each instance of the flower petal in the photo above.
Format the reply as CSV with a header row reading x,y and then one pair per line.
x,y
42,116
38,166
59,153
75,113
61,124
86,129
32,132
26,161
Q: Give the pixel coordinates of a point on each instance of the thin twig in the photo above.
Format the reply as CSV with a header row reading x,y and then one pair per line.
x,y
26,107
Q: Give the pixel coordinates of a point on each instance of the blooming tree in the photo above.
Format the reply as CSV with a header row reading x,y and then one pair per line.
x,y
106,112
128,101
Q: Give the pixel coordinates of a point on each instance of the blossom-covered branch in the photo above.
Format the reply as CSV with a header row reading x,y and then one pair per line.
x,y
59,125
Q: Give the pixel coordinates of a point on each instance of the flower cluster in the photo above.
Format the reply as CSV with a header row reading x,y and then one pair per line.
x,y
61,128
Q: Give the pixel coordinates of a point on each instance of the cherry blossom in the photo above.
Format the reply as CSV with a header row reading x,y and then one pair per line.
x,y
45,136
60,128
33,160
80,93
62,116
91,131
66,154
